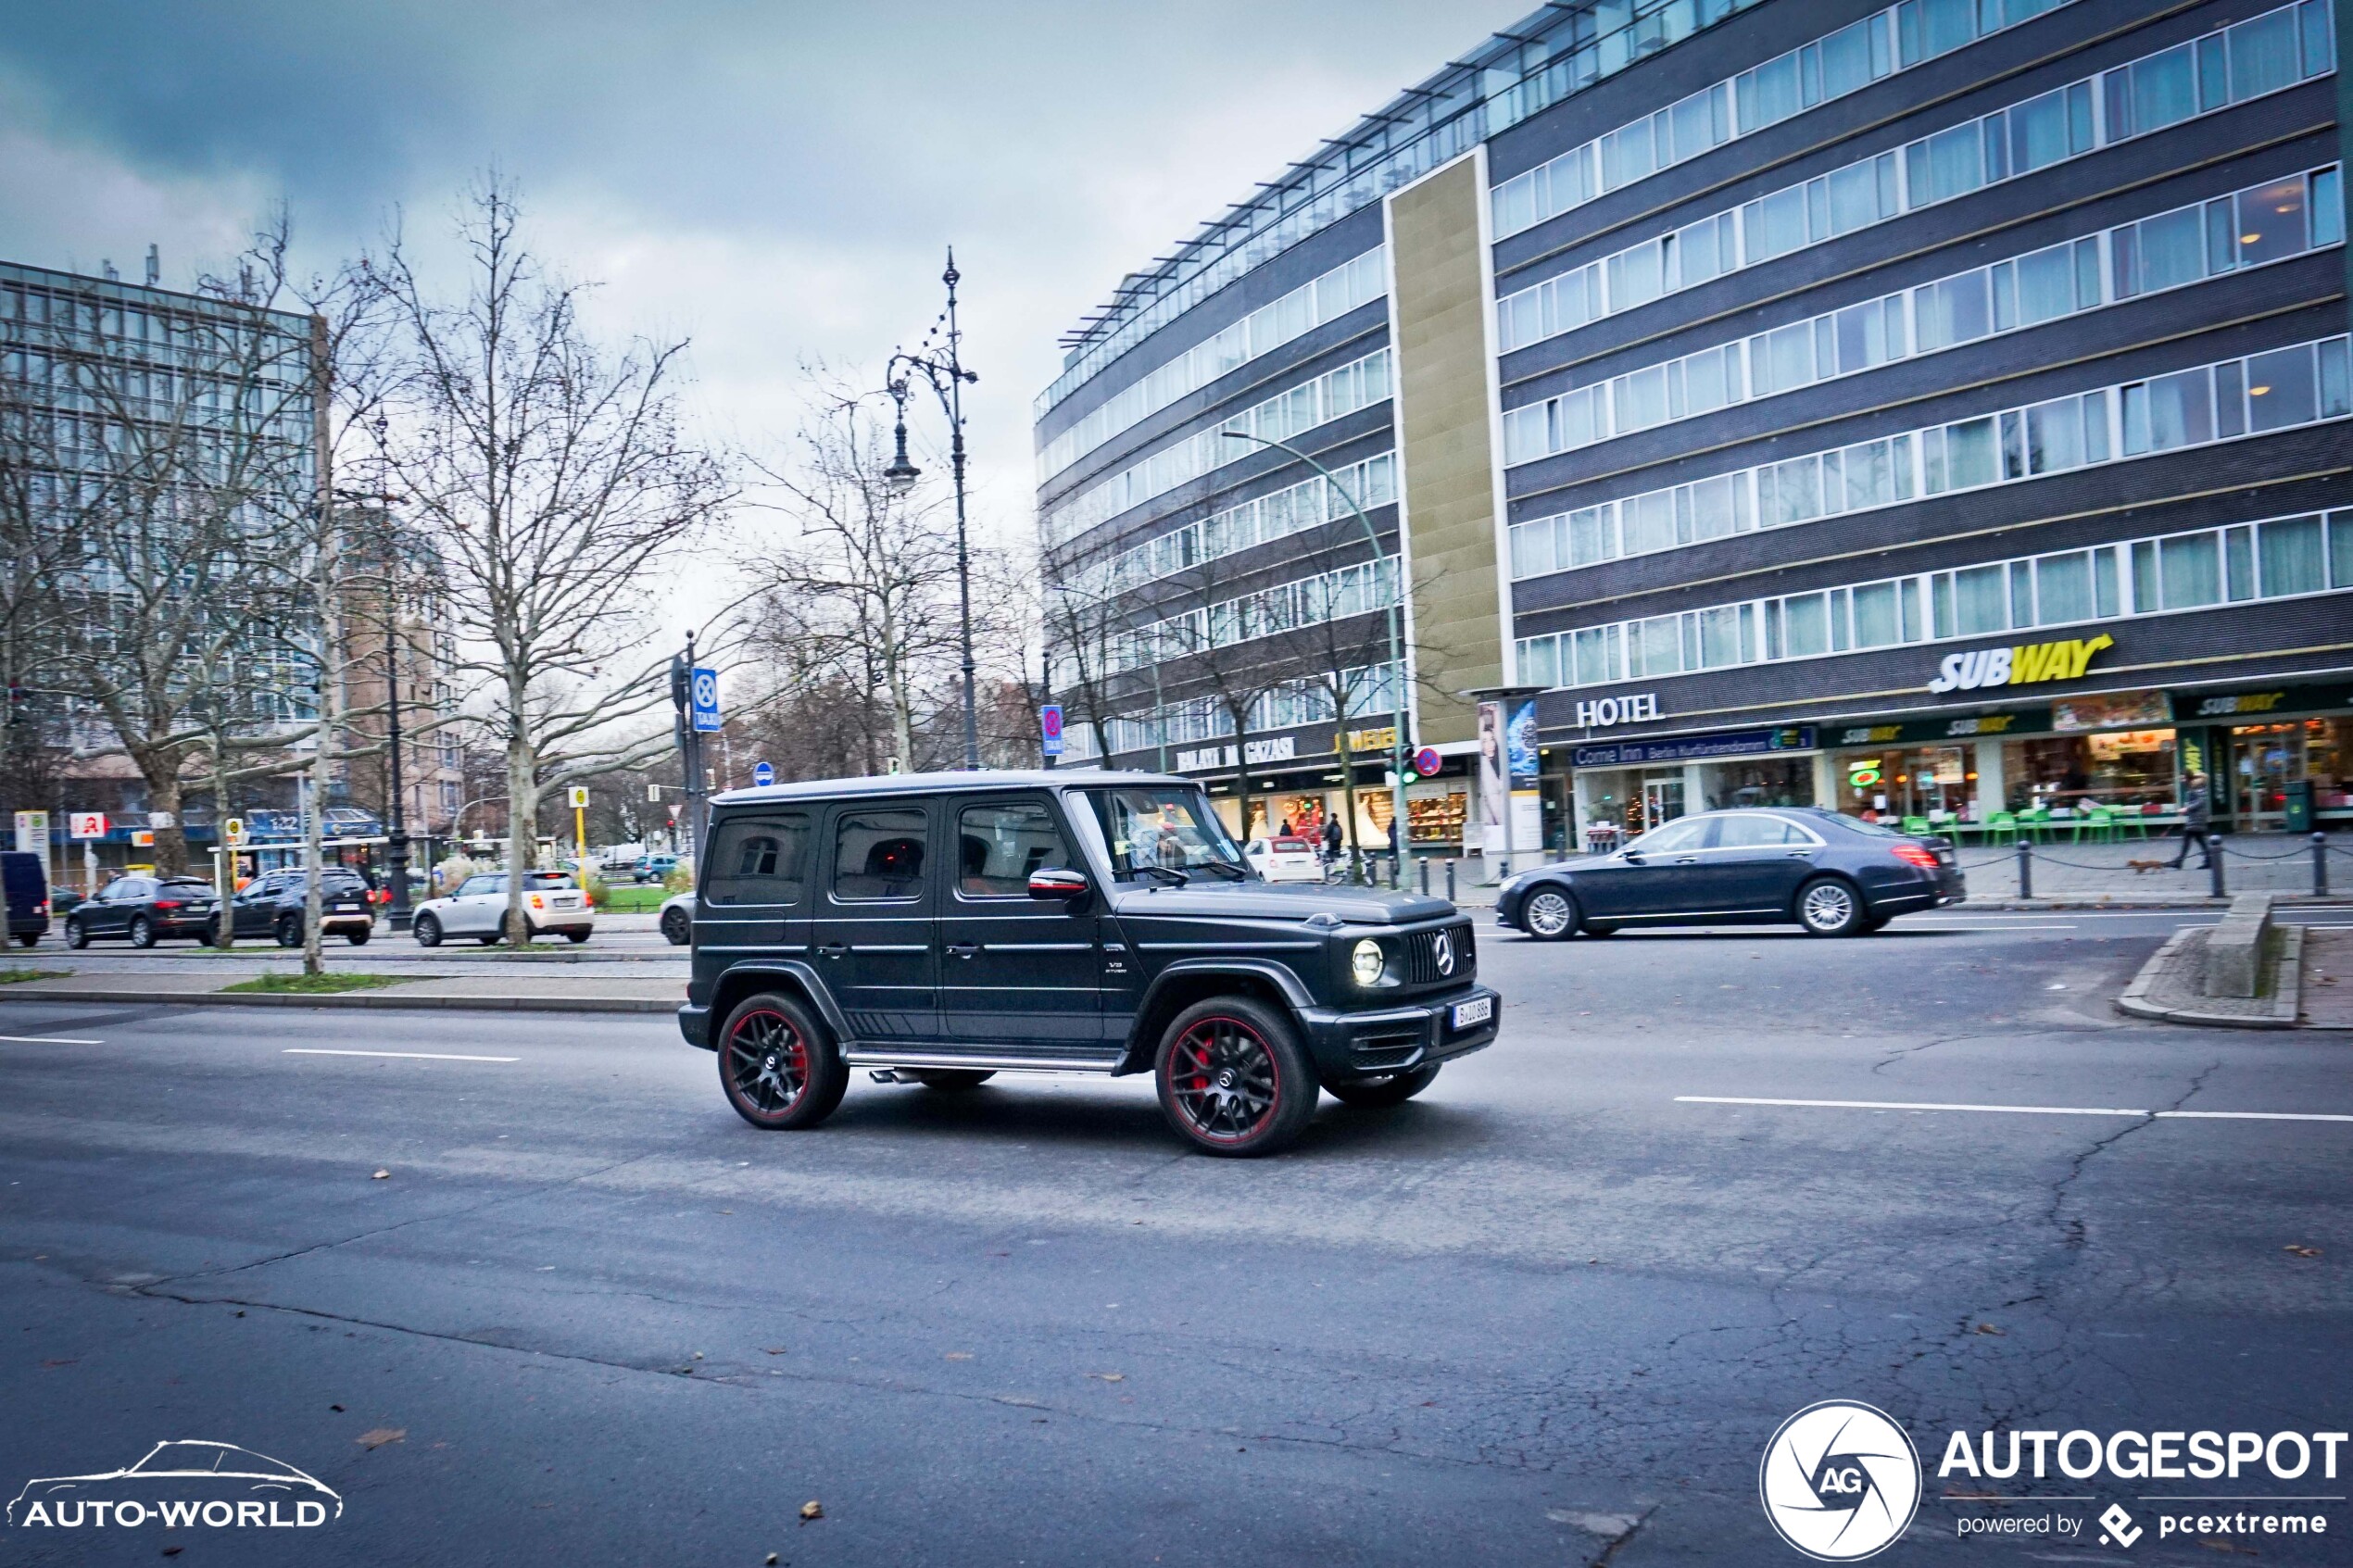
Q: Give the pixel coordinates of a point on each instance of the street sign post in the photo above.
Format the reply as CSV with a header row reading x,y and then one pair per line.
x,y
704,691
1049,728
580,832
762,774
87,824
234,829
33,837
1427,762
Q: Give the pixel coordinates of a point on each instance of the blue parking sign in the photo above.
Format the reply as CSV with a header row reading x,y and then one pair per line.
x,y
703,693
762,774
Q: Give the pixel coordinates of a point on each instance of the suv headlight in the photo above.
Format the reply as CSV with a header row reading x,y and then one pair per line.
x,y
1365,962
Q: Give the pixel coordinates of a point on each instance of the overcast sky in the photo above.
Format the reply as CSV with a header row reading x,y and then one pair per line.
x,y
774,181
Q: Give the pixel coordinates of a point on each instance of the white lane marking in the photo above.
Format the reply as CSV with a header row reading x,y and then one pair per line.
x,y
2005,925
47,1040
405,1056
2019,1109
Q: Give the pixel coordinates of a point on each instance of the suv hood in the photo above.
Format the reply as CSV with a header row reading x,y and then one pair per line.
x,y
1208,899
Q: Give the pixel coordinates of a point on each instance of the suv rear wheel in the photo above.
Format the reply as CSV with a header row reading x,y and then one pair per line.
x,y
1233,1078
142,932
1395,1089
779,1068
289,931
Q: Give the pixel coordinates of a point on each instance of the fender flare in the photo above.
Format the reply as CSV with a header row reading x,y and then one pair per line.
x,y
806,980
1296,996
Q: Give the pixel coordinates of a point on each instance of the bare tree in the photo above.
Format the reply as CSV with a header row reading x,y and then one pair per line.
x,y
553,478
859,603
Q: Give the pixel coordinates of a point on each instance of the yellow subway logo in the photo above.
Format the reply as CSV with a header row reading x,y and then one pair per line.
x,y
2019,666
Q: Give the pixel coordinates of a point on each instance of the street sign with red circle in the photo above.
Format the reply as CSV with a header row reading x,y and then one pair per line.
x,y
1427,762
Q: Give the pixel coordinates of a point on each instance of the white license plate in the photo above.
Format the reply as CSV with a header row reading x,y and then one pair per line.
x,y
342,906
1465,1014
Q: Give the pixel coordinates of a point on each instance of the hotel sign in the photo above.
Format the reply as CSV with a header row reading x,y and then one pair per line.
x,y
1599,713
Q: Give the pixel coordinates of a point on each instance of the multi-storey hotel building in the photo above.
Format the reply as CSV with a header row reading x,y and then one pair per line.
x,y
1929,410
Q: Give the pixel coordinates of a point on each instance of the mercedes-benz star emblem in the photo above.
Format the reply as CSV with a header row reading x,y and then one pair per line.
x,y
1445,954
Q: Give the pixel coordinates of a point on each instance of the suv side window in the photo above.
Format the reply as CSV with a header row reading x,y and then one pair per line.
x,y
879,855
760,859
998,844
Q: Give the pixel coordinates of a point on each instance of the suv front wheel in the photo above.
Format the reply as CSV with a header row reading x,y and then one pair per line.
x,y
778,1066
1233,1079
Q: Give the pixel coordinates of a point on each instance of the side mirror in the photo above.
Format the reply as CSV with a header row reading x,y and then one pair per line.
x,y
1633,856
1057,882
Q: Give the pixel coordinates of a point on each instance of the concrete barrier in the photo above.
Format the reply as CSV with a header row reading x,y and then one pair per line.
x,y
2236,947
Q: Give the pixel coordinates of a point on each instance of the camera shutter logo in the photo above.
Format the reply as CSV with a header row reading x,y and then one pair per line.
x,y
1840,1481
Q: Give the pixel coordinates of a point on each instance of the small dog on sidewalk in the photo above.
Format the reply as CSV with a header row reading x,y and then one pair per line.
x,y
2140,866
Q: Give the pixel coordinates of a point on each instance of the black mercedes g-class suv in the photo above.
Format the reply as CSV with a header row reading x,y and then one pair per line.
x,y
940,928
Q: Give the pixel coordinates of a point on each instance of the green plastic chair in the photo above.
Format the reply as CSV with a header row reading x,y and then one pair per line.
x,y
2036,824
2001,828
2098,823
1916,826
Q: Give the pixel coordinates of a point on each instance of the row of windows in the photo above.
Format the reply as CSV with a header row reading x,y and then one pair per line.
x,y
2254,395
1278,515
1352,387
2264,54
2264,223
1286,607
1567,49
2279,557
1846,61
1269,327
1372,689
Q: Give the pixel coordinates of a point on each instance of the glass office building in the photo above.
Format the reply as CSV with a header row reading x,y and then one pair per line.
x,y
1929,410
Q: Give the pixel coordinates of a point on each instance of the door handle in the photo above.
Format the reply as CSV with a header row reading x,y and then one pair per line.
x,y
962,949
833,949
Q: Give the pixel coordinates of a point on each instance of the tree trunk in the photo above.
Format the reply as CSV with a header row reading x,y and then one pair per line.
x,y
522,823
224,859
162,778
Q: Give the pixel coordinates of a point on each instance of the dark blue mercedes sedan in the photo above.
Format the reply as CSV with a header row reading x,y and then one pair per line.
x,y
1834,875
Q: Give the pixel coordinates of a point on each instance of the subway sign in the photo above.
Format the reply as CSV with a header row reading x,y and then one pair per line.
x,y
2024,665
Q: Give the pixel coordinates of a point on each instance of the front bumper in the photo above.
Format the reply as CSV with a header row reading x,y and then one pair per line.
x,y
1377,1042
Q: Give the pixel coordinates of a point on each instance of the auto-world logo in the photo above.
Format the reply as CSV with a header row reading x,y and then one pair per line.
x,y
181,1485
1840,1481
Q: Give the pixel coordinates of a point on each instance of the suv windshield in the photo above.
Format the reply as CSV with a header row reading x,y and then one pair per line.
x,y
1163,829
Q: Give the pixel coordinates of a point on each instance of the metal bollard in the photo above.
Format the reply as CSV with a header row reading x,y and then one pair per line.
x,y
2214,864
2025,870
1424,862
2320,865
1449,879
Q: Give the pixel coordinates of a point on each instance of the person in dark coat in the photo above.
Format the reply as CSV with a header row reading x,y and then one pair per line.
x,y
1331,837
2197,817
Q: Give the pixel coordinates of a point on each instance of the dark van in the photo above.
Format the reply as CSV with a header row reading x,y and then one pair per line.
x,y
942,928
25,883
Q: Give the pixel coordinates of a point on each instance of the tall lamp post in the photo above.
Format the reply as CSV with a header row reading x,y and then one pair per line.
x,y
1160,709
1396,657
398,914
943,369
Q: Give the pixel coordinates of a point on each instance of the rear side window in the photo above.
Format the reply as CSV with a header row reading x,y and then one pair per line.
x,y
758,861
879,855
1755,833
1002,843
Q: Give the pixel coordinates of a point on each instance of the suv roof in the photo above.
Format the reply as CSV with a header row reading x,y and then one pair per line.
x,y
943,784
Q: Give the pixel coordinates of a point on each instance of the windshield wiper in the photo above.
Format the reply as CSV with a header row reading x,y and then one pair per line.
x,y
1225,868
1175,878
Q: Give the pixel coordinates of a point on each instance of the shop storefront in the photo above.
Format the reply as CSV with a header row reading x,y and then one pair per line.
x,y
2276,758
1627,787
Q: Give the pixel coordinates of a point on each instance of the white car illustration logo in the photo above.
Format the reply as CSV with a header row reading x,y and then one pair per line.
x,y
184,1472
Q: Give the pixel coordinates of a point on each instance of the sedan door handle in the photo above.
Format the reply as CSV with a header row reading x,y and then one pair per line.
x,y
962,949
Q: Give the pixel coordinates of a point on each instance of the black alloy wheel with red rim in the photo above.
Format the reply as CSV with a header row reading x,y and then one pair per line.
x,y
779,1068
1233,1078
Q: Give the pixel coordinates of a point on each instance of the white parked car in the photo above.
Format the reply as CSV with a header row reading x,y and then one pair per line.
x,y
677,918
552,903
1285,859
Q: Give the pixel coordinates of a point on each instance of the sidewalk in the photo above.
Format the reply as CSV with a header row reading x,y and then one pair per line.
x,y
469,993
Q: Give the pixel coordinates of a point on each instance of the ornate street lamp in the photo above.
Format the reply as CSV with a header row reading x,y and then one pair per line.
x,y
942,368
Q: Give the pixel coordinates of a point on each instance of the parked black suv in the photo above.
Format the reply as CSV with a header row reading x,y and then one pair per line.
x,y
143,910
272,906
942,928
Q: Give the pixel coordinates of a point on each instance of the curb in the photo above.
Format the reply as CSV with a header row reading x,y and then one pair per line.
x,y
2286,1003
352,999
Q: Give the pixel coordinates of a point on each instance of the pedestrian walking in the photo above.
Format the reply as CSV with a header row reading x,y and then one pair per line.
x,y
2196,818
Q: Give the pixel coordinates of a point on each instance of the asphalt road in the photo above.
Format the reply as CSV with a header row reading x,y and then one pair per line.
x,y
1549,1313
